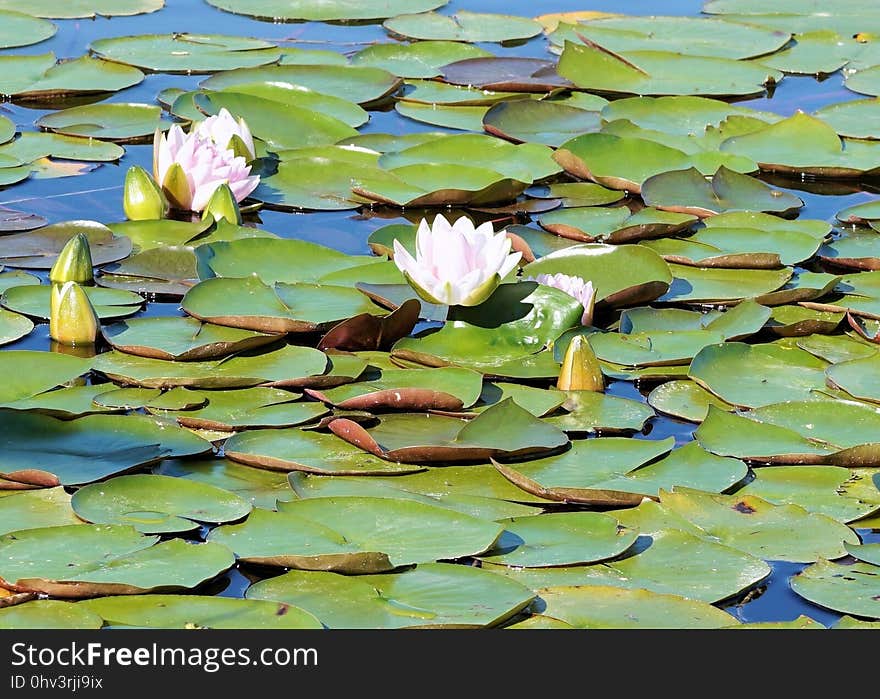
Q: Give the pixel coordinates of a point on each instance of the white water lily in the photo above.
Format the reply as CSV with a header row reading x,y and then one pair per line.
x,y
575,287
227,133
456,264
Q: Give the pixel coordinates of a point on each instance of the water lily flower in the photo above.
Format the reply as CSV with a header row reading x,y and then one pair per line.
x,y
580,368
228,133
456,264
575,287
222,205
74,263
72,318
189,167
142,200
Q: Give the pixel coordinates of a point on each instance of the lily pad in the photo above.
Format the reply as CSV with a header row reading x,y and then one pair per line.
x,y
284,367
855,249
683,115
355,535
40,77
866,81
86,8
432,595
718,285
48,614
685,399
689,192
601,606
840,493
463,26
361,84
118,121
23,29
186,53
29,372
462,118
563,538
85,560
13,326
301,450
38,249
539,121
66,402
592,411
658,348
30,146
576,194
422,59
622,275
505,429
332,11
42,449
851,589
507,73
168,271
244,408
852,119
855,377
157,504
793,321
47,507
35,301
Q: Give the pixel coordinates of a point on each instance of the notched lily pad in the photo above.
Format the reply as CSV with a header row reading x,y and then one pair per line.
x,y
39,249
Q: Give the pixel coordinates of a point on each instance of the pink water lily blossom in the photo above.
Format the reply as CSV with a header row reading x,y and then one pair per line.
x,y
223,127
456,264
576,287
189,167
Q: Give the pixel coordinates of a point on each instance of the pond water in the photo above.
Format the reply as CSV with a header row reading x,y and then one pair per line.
x,y
98,194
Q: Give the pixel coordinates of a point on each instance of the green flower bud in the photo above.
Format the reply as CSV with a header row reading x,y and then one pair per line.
x,y
580,368
74,263
142,198
72,318
222,205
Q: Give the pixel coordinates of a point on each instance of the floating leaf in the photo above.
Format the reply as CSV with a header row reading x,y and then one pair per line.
x,y
613,225
463,26
852,119
592,411
716,285
685,399
13,326
86,8
157,504
422,59
39,249
539,121
851,589
40,77
47,507
29,372
332,11
48,614
463,118
430,595
513,73
120,122
355,535
34,301
85,560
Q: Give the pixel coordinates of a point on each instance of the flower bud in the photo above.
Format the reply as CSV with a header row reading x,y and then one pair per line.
x,y
74,263
580,368
142,198
72,318
222,205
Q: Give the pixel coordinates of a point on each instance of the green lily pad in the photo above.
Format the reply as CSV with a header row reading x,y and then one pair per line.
x,y
301,450
589,224
40,77
332,11
29,372
851,589
612,471
30,146
193,611
279,125
60,452
576,194
38,249
437,93
597,69
793,321
33,509
86,8
602,606
563,538
356,535
866,81
837,348
162,233
755,375
48,614
23,29
186,53
35,301
856,378
16,278
432,595
359,84
250,304
855,249
460,117
780,147
259,487
85,560
718,285
852,119
463,26
538,401
505,429
539,121
859,213
513,324
287,366
157,504
444,388
506,73
753,525
422,59
167,271
819,52
622,275
13,327
66,402
135,398
120,122
689,192
689,36
592,411
245,408
840,493
275,260
685,399
656,348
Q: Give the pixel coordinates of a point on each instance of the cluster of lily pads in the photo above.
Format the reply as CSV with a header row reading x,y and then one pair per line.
x,y
438,433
